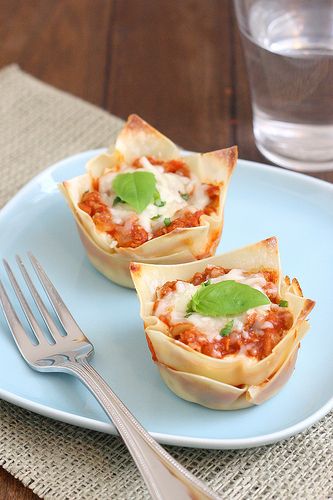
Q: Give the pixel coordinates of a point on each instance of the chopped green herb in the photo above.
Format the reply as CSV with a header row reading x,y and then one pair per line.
x,y
207,282
227,328
135,188
226,298
159,203
157,199
155,217
117,200
167,221
283,303
185,196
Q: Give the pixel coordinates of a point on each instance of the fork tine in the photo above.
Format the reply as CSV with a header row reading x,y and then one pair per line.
x,y
65,317
53,329
25,306
21,338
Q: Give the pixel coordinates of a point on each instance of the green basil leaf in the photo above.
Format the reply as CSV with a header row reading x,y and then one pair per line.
x,y
226,298
227,328
189,308
185,196
167,221
283,303
135,188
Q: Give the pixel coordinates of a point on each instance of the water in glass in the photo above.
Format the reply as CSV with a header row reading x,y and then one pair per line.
x,y
289,55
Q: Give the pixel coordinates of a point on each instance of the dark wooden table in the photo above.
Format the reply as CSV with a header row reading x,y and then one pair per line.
x,y
177,63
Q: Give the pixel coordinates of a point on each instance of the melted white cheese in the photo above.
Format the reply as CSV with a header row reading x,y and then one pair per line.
x,y
175,303
169,185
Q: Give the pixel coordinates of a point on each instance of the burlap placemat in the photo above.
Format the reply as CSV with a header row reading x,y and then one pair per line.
x,y
38,126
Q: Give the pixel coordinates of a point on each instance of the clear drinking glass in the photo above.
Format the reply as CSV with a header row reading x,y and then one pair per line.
x,y
288,46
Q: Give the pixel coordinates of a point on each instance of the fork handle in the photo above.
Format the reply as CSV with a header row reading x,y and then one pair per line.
x,y
164,476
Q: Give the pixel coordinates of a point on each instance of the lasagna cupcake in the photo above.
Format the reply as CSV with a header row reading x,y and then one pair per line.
x,y
146,201
224,331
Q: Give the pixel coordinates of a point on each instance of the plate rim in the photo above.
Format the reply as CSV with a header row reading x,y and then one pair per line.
x,y
169,439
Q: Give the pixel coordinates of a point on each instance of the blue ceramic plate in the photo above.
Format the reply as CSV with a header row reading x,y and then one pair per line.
x,y
262,201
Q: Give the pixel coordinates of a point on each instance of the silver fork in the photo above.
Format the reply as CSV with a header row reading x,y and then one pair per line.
x,y
165,478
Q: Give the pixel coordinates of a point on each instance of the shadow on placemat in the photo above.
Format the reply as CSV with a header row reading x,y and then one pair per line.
x,y
40,125
60,461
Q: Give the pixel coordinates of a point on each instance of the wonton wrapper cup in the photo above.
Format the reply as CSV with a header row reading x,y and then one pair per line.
x,y
231,382
137,139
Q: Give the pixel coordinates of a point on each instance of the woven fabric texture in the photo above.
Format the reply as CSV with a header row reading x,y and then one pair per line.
x,y
38,126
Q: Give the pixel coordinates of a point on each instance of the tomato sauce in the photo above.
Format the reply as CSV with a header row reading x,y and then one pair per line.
x,y
127,235
213,193
178,167
260,344
188,219
252,340
208,273
132,234
169,286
